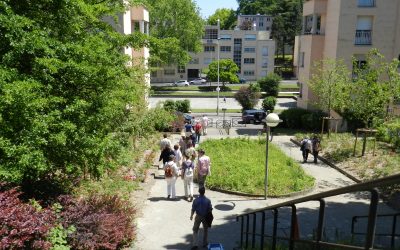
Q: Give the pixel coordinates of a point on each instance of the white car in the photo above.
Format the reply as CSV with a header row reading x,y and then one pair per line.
x,y
181,83
198,81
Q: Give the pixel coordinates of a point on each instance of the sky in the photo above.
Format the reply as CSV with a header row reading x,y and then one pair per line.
x,y
208,7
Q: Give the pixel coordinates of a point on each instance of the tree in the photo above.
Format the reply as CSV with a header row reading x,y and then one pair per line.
x,y
269,103
227,71
247,96
64,90
179,19
270,84
330,82
227,18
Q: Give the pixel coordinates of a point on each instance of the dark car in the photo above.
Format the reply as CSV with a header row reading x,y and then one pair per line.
x,y
242,80
188,118
253,116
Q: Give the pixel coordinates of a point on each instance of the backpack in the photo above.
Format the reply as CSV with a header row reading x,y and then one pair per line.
x,y
168,171
189,170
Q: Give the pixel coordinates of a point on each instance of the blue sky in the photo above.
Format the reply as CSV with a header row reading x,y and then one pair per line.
x,y
208,7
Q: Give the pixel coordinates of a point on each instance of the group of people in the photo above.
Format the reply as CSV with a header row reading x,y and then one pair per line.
x,y
194,129
308,146
184,161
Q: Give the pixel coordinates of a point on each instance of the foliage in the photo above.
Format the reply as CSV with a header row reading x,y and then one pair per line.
x,y
371,92
22,226
101,222
301,119
178,105
64,91
247,96
161,119
227,71
330,82
227,18
269,103
390,132
270,84
178,19
58,237
243,173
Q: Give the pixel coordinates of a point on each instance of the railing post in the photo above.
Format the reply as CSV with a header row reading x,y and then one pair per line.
x,y
241,231
275,229
373,207
393,230
253,239
262,230
293,227
247,230
321,218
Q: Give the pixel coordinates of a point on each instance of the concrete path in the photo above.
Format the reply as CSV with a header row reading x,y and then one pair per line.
x,y
165,224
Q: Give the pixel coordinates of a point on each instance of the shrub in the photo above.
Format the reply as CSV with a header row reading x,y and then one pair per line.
x,y
270,84
269,103
161,119
247,96
298,118
169,105
179,105
22,225
390,132
101,222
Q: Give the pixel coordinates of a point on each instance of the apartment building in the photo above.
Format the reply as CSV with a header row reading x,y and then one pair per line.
x,y
342,29
258,22
253,51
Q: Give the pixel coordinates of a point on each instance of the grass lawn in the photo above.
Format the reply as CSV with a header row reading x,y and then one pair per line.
x,y
239,165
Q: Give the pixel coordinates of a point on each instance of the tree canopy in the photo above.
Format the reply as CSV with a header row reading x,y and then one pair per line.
x,y
227,71
227,18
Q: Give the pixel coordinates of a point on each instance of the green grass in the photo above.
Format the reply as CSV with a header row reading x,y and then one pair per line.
x,y
239,165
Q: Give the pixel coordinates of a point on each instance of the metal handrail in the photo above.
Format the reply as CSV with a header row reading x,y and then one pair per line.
x,y
318,243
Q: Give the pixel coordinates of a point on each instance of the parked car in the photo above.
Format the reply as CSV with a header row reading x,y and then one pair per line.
x,y
253,116
181,83
188,118
242,80
198,81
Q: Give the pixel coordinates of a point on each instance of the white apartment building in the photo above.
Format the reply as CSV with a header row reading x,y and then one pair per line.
x,y
342,29
253,51
259,22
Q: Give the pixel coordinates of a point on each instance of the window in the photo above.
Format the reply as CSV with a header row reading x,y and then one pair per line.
x,y
248,72
264,51
146,28
302,54
181,69
263,73
136,26
169,72
209,48
194,61
225,37
250,37
249,61
264,63
366,3
207,61
249,49
364,31
261,24
211,34
225,48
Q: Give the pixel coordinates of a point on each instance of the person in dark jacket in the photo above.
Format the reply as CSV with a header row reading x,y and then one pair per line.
x,y
167,151
201,206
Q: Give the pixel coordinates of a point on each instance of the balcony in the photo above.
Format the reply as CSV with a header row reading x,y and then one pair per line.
x,y
366,3
363,37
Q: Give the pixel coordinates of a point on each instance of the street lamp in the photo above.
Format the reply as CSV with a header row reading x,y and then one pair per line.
x,y
272,120
218,89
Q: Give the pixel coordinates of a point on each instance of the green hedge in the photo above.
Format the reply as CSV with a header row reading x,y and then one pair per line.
x,y
390,132
298,118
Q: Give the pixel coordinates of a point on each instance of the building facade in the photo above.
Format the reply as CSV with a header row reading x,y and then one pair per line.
x,y
257,22
343,29
253,51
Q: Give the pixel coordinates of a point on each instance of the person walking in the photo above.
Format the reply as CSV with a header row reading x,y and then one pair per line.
x,y
201,206
164,142
182,143
305,147
197,131
190,151
316,147
187,176
171,173
203,168
165,153
204,124
188,129
178,156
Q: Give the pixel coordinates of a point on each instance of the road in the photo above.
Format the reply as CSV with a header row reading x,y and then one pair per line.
x,y
231,103
215,83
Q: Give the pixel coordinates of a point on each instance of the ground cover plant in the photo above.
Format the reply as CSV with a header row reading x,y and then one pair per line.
x,y
238,165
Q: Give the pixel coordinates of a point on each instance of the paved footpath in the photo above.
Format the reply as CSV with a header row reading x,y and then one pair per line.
x,y
165,224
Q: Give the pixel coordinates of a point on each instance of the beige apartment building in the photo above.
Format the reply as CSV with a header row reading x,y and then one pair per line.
x,y
253,51
258,22
342,29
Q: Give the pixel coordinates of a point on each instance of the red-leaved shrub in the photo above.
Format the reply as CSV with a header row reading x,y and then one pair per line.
x,y
22,226
101,222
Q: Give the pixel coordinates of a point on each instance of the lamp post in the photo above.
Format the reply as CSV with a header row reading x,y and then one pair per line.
x,y
218,89
272,120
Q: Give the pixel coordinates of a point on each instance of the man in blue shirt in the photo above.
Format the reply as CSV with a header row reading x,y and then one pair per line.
x,y
201,205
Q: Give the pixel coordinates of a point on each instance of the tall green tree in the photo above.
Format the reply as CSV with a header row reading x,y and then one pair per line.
x,y
227,71
330,82
227,18
178,19
64,90
248,96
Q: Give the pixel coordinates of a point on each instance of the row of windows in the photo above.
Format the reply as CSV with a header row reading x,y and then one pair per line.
x,y
264,51
171,72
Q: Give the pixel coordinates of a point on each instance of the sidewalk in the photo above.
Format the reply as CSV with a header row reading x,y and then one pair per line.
x,y
165,224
